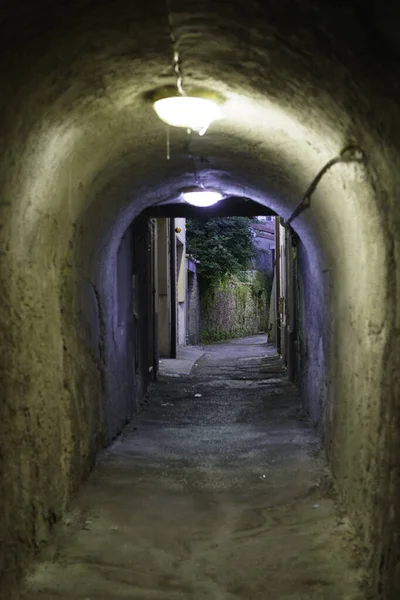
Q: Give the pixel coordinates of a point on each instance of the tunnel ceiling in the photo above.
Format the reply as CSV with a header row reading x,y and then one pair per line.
x,y
300,81
227,207
85,145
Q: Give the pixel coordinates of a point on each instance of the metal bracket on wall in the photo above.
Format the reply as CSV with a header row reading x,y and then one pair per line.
x,y
351,153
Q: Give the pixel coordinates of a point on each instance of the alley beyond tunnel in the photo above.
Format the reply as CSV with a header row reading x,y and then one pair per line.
x,y
217,490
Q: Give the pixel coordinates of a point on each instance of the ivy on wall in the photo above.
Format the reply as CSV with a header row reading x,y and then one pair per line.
x,y
223,245
232,308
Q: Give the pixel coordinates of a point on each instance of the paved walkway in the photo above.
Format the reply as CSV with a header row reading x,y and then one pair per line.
x,y
186,358
217,491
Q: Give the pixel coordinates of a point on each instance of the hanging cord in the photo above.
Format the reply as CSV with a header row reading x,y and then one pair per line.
x,y
196,174
168,143
176,67
351,153
176,59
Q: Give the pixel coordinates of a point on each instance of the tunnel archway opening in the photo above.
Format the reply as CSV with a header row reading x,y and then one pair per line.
x,y
143,326
311,265
319,280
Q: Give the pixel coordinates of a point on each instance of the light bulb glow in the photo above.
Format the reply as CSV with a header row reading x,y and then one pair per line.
x,y
202,198
188,111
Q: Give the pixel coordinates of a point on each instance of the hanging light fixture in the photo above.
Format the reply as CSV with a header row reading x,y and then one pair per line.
x,y
201,197
180,107
194,111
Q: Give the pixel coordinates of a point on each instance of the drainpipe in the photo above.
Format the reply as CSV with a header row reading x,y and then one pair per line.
x,y
154,273
172,257
290,306
277,284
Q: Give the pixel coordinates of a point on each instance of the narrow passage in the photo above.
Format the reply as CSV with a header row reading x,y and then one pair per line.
x,y
222,496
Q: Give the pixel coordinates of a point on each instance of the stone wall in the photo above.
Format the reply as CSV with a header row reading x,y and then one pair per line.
x,y
233,308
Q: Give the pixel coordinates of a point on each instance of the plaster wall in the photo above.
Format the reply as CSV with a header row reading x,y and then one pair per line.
x,y
121,377
264,259
193,307
181,281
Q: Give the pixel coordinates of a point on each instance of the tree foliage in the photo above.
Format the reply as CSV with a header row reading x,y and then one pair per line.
x,y
223,245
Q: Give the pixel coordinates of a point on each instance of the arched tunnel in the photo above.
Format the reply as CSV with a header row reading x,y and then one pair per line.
x,y
84,154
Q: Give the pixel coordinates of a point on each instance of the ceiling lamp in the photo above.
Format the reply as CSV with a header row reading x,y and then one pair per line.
x,y
195,111
202,198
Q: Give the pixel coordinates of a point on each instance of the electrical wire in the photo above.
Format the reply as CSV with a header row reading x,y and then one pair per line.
x,y
176,59
168,142
177,69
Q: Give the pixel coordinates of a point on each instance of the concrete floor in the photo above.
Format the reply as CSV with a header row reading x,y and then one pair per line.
x,y
222,497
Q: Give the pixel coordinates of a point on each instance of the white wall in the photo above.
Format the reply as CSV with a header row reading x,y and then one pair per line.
x,y
181,280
